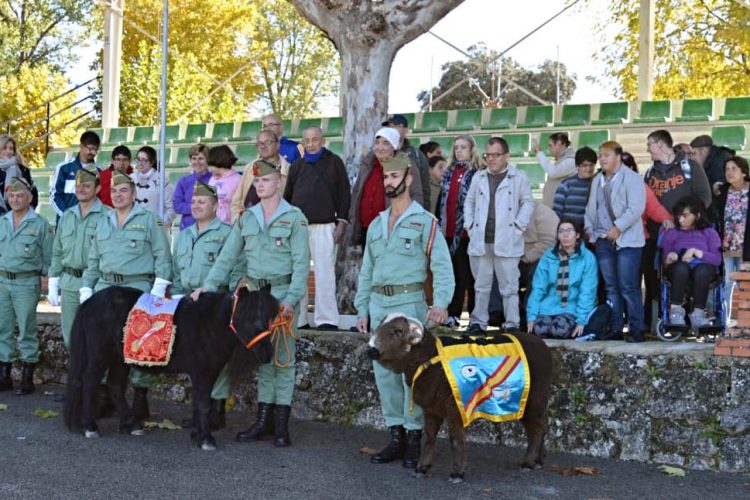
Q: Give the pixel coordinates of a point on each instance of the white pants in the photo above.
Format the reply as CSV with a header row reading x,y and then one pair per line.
x,y
506,270
322,255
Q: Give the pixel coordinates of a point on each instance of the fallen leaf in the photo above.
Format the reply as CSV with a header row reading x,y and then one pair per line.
x,y
672,471
165,424
3,407
41,413
574,471
230,403
366,450
487,490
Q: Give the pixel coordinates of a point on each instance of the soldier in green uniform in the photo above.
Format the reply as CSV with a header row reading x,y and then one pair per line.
x,y
130,248
196,250
401,242
26,247
272,235
70,251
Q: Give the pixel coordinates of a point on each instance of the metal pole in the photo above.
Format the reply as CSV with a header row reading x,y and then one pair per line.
x,y
558,75
163,127
646,50
46,134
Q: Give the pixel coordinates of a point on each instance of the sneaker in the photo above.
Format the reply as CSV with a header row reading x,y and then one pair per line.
x,y
698,319
475,329
511,328
677,315
453,322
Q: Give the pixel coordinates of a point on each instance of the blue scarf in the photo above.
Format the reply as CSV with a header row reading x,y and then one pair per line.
x,y
313,158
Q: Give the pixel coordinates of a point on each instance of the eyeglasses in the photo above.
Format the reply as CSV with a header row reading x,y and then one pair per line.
x,y
265,143
493,155
143,160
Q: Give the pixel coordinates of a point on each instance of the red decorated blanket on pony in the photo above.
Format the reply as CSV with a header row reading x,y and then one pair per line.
x,y
149,331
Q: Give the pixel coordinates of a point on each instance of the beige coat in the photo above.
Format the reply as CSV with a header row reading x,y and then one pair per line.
x,y
247,181
540,234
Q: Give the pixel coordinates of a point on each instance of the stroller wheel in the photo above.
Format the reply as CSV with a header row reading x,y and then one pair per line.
x,y
665,334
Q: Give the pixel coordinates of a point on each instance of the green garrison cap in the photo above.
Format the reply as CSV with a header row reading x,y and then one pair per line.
x,y
120,178
398,163
87,174
203,189
262,167
17,184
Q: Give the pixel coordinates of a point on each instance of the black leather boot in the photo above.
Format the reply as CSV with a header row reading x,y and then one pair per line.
x,y
105,408
27,380
140,403
395,448
413,448
281,425
263,424
6,382
217,419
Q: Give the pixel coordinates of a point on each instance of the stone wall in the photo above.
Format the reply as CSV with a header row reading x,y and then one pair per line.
x,y
671,403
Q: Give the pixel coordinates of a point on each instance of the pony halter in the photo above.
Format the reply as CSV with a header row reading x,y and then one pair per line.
x,y
279,325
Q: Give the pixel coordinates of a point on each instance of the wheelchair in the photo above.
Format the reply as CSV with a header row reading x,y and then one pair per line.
x,y
715,306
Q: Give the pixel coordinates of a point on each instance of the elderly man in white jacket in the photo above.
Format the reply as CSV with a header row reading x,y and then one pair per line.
x,y
497,210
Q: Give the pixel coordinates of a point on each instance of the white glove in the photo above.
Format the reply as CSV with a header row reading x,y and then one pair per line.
x,y
177,297
84,294
160,287
53,291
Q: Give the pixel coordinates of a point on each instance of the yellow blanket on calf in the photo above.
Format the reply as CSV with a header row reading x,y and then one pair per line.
x,y
489,376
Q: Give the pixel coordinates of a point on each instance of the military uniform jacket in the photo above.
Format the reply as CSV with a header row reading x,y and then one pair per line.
x,y
273,251
195,254
72,243
28,247
401,259
140,246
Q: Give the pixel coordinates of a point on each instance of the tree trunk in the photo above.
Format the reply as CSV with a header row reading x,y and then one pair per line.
x,y
367,35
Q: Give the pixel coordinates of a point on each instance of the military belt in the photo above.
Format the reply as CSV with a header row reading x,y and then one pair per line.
x,y
72,271
391,290
282,280
22,274
125,278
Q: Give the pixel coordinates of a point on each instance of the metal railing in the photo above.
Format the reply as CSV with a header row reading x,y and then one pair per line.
x,y
49,114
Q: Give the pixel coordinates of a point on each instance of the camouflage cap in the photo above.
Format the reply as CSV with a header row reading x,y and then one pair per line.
x,y
87,174
262,167
203,189
120,178
17,184
398,163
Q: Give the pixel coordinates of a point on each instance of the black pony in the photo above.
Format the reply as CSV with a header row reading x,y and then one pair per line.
x,y
208,332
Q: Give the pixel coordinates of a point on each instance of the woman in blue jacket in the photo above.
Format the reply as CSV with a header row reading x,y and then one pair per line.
x,y
563,293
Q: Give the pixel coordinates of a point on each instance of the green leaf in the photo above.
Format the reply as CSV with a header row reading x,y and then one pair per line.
x,y
672,471
3,407
165,424
42,413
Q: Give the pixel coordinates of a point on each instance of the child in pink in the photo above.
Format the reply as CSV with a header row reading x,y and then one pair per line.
x,y
224,178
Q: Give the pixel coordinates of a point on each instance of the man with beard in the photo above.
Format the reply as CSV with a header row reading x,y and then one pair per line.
x,y
401,242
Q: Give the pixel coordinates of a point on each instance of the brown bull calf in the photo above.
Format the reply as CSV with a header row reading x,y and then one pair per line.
x,y
402,344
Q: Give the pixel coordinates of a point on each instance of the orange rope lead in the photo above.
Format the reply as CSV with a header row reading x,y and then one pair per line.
x,y
282,327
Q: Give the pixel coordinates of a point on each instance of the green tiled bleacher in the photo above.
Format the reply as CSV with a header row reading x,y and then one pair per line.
x,y
696,110
587,125
467,119
655,112
736,108
575,115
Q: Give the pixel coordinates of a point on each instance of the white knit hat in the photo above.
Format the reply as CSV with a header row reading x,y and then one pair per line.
x,y
391,134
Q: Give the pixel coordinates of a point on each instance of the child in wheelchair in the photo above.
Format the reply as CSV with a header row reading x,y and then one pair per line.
x,y
691,254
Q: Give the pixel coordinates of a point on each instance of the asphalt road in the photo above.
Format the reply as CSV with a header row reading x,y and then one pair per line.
x,y
41,459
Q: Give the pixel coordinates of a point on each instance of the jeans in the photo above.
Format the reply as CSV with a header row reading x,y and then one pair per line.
x,y
621,269
731,265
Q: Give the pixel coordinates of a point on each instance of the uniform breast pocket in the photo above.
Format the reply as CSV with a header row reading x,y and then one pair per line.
x,y
251,235
67,234
29,246
280,237
211,253
134,242
408,241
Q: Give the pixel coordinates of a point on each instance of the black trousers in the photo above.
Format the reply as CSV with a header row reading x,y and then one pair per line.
x,y
695,281
464,280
